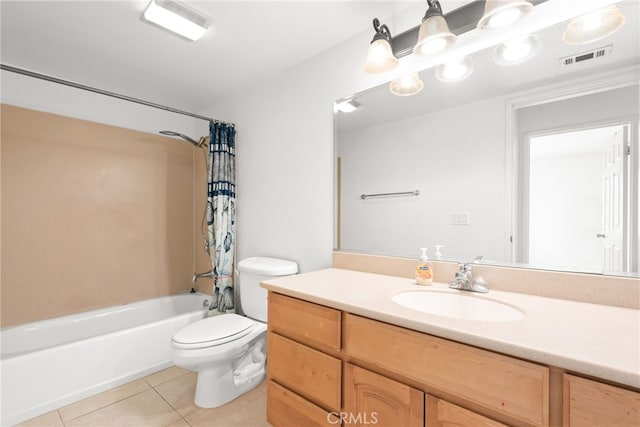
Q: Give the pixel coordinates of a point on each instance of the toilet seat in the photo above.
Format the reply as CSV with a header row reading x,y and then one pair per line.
x,y
213,331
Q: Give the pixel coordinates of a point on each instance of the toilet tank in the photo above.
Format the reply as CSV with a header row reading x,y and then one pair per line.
x,y
252,271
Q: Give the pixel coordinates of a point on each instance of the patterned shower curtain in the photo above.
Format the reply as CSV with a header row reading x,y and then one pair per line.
x,y
221,214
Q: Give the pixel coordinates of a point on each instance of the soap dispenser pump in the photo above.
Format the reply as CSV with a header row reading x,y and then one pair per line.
x,y
424,271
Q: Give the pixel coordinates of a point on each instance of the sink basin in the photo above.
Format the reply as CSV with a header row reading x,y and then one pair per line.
x,y
459,306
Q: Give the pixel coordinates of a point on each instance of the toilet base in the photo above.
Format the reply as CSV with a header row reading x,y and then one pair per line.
x,y
216,386
226,371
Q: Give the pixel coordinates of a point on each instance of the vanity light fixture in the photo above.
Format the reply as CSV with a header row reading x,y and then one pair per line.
x,y
177,17
407,85
593,26
501,13
517,51
380,57
347,106
455,70
433,35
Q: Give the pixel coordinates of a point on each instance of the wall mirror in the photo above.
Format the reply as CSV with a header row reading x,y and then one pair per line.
x,y
533,164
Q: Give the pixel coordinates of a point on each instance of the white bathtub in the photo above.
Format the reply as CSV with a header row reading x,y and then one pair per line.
x,y
48,364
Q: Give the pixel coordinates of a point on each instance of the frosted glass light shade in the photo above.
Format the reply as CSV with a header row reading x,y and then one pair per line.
x,y
455,70
433,36
406,85
501,13
593,26
177,18
380,58
517,51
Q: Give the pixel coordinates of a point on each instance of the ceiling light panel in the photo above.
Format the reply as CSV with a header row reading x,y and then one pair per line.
x,y
178,18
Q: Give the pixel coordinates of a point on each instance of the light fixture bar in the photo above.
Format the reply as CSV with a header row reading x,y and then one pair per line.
x,y
460,21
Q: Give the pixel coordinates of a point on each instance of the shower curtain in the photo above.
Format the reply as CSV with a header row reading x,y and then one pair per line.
x,y
221,214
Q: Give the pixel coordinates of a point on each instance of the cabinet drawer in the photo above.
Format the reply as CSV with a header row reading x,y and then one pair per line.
x,y
311,324
310,373
508,386
444,414
285,408
590,403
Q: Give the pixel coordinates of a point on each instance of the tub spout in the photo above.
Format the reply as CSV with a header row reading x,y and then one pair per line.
x,y
196,276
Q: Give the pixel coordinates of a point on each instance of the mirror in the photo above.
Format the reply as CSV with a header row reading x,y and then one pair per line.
x,y
524,164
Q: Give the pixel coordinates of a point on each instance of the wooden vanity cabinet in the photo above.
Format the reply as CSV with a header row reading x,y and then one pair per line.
x,y
370,398
591,403
507,387
441,413
304,369
326,367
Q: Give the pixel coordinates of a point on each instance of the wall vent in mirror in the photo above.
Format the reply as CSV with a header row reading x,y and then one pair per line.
x,y
586,56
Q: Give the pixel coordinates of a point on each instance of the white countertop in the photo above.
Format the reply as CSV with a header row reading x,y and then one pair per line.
x,y
598,340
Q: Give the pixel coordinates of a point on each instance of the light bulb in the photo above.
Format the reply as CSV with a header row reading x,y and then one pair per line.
x,y
504,18
433,46
455,70
517,51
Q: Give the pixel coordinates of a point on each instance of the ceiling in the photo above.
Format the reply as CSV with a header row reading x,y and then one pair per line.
x,y
106,44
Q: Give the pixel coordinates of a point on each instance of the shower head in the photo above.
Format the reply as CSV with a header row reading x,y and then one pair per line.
x,y
185,137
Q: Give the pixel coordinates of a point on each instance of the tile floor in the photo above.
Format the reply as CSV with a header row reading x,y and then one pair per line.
x,y
164,398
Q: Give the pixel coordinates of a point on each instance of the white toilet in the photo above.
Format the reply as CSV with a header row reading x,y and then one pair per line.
x,y
229,350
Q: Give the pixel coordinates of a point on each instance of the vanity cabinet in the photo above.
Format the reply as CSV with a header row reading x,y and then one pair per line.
x,y
505,386
304,369
370,398
441,413
327,367
591,403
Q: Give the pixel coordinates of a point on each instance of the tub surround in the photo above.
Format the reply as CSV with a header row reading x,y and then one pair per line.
x,y
93,215
596,340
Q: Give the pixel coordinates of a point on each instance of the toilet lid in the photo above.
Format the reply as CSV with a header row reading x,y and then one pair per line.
x,y
213,331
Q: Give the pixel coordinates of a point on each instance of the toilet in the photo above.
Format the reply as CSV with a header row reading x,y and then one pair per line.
x,y
229,351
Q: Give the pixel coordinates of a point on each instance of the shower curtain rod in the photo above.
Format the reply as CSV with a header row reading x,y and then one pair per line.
x,y
107,93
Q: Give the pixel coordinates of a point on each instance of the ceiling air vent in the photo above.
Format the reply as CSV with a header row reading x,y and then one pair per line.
x,y
600,52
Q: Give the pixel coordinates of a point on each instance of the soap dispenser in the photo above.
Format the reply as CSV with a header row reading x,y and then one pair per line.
x,y
424,271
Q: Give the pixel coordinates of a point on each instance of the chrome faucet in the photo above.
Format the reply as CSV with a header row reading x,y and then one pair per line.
x,y
196,276
465,281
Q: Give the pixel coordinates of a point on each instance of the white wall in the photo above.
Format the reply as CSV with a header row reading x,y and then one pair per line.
x,y
457,168
41,95
285,153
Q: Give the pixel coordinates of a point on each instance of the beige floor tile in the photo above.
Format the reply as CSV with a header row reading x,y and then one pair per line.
x,y
248,410
180,393
146,409
50,419
263,386
101,400
165,375
180,423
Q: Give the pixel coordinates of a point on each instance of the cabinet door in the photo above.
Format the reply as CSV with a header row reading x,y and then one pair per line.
x,y
590,403
371,399
445,414
287,409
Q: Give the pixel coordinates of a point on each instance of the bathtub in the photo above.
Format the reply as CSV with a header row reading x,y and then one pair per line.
x,y
48,364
